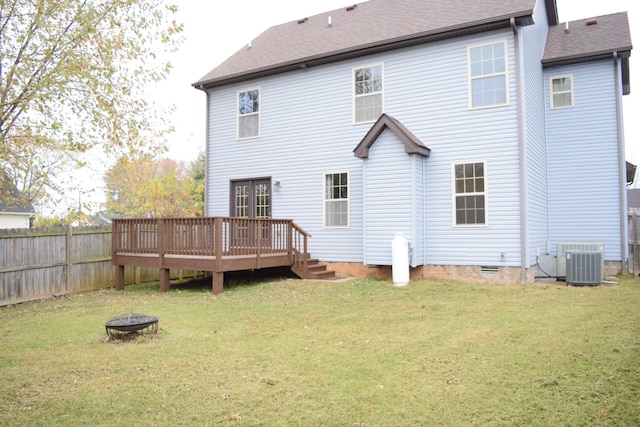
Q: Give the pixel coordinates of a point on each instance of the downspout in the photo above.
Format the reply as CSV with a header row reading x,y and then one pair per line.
x,y
622,168
522,159
424,211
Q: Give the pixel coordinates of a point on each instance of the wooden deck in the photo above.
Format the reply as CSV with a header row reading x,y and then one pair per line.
x,y
213,244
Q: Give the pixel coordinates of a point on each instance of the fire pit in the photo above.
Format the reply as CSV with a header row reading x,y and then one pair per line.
x,y
131,323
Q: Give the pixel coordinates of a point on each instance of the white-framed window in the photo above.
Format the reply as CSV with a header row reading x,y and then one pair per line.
x,y
368,93
336,199
488,75
469,193
561,91
249,113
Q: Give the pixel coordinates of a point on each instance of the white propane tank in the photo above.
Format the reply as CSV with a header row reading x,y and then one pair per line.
x,y
400,260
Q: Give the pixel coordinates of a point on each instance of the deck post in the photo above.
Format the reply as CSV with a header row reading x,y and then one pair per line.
x,y
165,276
218,249
119,278
290,241
217,282
165,279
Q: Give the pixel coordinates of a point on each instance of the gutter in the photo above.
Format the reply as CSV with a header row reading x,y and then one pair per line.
x,y
622,52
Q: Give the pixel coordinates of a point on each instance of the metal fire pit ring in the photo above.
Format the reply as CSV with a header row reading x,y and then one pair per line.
x,y
131,323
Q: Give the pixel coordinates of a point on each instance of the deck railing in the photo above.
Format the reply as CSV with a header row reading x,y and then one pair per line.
x,y
300,252
210,236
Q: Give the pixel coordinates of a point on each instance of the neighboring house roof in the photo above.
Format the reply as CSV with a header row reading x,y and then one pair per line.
x,y
14,208
590,39
366,28
412,145
21,208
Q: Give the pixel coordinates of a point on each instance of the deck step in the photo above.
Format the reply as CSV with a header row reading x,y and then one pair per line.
x,y
315,270
326,274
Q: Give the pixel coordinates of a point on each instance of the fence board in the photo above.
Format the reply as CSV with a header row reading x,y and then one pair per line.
x,y
634,242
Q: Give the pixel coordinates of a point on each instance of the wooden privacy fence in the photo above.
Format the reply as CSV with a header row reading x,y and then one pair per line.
x,y
41,263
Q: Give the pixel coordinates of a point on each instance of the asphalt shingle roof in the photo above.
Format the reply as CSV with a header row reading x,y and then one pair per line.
x,y
9,189
361,26
588,38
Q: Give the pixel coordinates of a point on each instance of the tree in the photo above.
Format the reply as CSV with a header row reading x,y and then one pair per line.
x,y
143,186
73,76
198,175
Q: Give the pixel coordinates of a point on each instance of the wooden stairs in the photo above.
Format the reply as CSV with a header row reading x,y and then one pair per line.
x,y
315,270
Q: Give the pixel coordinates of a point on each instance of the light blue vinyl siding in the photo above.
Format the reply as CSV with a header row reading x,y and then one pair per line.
x,y
299,142
306,131
584,182
392,200
533,40
456,134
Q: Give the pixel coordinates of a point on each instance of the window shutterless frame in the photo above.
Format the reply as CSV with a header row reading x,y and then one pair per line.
x,y
248,108
561,94
336,209
488,74
469,194
367,93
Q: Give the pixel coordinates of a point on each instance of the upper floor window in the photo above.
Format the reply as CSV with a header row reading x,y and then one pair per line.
x,y
470,193
561,91
249,114
367,93
488,75
336,199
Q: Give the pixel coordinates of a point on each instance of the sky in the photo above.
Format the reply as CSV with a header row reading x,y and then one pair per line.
x,y
213,33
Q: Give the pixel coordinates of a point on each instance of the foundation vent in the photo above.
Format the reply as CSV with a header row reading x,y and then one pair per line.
x,y
486,269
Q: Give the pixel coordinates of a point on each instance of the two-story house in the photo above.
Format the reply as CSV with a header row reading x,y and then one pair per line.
x,y
486,132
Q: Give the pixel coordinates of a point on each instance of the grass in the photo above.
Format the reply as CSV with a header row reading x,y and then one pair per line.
x,y
362,352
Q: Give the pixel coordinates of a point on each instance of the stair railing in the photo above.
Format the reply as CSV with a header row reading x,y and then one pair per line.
x,y
299,250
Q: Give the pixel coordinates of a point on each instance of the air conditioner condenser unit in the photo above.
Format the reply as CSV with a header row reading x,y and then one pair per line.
x,y
584,267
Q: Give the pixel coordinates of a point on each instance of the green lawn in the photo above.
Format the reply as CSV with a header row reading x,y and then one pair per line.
x,y
360,352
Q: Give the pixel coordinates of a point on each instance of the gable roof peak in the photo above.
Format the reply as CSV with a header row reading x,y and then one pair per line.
x,y
412,144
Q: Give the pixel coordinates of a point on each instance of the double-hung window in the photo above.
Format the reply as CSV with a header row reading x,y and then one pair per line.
x,y
367,93
336,200
470,193
561,91
488,75
249,113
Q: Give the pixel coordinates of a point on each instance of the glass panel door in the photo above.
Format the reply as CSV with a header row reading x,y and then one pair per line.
x,y
251,198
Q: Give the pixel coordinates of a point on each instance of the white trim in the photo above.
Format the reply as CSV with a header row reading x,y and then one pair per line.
x,y
485,193
258,113
324,199
551,92
470,79
354,96
29,214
